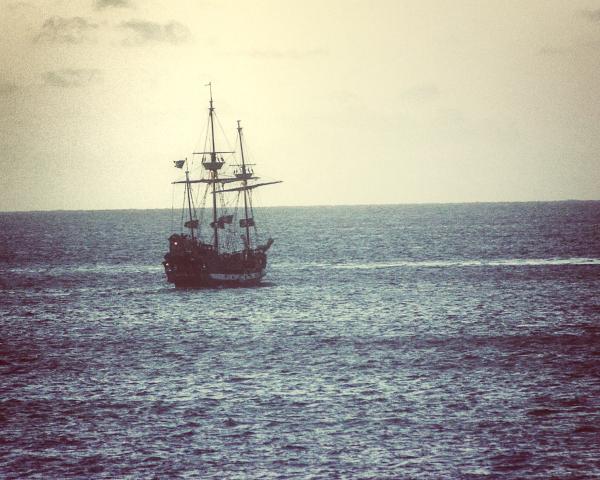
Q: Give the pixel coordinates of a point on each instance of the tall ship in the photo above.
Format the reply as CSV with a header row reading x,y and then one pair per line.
x,y
218,243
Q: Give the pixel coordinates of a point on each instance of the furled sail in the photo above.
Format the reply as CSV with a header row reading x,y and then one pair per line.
x,y
221,221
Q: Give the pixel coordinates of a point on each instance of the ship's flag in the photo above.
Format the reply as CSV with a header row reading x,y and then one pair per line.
x,y
191,224
247,222
179,163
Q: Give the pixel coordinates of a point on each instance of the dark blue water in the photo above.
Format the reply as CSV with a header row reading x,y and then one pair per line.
x,y
433,341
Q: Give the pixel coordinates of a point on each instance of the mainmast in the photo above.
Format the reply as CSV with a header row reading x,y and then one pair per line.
x,y
245,190
214,175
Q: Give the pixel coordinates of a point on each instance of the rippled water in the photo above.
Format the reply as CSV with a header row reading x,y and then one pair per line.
x,y
434,341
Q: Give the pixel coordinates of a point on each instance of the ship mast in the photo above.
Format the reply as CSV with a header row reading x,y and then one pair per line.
x,y
245,190
189,197
213,161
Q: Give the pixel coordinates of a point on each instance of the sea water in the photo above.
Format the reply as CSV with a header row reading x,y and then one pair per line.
x,y
412,341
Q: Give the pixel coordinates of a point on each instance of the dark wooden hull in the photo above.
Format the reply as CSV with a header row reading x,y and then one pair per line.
x,y
202,278
205,269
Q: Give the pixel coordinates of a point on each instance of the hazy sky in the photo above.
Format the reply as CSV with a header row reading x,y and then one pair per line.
x,y
348,102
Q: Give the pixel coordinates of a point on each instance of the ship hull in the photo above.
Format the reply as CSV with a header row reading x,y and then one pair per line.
x,y
191,264
204,279
195,261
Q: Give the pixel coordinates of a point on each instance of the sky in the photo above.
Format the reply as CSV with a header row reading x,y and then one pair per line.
x,y
346,101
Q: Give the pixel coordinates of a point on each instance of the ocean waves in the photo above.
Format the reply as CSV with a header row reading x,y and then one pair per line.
x,y
387,342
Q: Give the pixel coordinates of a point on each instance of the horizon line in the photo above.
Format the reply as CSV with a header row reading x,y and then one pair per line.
x,y
474,202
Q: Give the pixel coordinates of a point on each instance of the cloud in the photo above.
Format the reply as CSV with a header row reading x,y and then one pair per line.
x,y
285,54
6,88
69,78
102,4
66,30
141,32
592,15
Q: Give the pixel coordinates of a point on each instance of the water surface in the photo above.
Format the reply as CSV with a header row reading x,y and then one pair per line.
x,y
418,341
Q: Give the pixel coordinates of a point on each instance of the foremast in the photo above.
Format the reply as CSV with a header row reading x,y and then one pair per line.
x,y
188,189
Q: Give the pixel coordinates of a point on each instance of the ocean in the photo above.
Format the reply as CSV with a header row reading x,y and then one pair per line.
x,y
456,341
